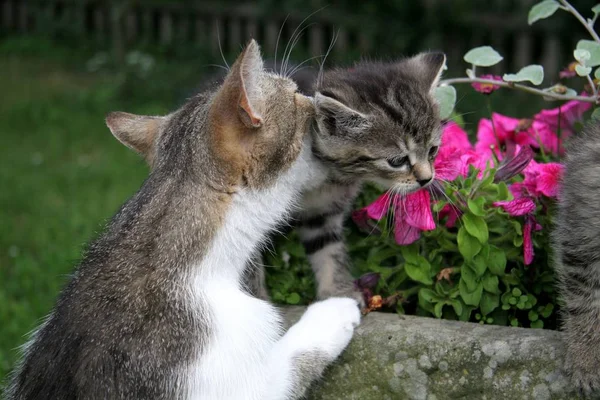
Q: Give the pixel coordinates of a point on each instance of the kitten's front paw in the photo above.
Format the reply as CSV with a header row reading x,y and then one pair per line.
x,y
328,325
346,290
582,363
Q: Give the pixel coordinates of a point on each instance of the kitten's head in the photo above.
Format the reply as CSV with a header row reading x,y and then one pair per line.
x,y
379,121
244,134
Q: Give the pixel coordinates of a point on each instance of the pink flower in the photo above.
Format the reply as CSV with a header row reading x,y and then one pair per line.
x,y
563,118
487,88
452,213
569,72
543,179
412,215
505,133
530,225
379,207
454,138
517,207
515,165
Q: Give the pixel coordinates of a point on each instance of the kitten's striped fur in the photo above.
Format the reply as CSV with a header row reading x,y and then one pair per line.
x,y
366,116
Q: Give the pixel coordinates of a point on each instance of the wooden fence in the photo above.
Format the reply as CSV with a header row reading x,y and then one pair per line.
x,y
230,27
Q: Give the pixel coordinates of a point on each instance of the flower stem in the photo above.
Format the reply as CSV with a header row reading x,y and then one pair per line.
x,y
523,88
587,26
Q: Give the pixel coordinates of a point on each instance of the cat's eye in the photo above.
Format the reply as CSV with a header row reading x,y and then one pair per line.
x,y
397,162
433,151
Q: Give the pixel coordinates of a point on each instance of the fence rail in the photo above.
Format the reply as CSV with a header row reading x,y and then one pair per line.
x,y
213,25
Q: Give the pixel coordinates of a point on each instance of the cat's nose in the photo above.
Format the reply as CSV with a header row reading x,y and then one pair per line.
x,y
425,181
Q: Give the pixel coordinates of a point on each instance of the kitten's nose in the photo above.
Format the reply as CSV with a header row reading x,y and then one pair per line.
x,y
424,182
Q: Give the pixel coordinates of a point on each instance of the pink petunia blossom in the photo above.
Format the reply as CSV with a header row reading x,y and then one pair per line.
x,y
412,215
543,179
487,88
452,213
517,207
564,117
506,133
379,208
530,225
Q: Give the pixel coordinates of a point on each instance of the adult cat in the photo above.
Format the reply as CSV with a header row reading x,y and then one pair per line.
x,y
155,310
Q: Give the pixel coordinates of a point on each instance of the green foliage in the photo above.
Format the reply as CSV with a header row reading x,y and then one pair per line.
x,y
542,10
446,97
530,73
483,56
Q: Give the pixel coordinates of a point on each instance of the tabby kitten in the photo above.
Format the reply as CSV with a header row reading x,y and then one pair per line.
x,y
577,258
156,310
376,122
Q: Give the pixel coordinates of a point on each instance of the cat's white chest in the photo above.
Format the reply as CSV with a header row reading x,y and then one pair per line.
x,y
233,364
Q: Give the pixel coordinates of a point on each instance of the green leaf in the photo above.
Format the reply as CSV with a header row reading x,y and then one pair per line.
x,y
468,246
476,227
542,10
420,273
457,305
531,73
596,10
583,71
479,264
476,206
471,298
533,316
490,284
426,300
582,55
594,49
489,302
597,73
483,56
596,114
293,298
437,310
547,310
428,295
469,276
496,261
446,98
539,324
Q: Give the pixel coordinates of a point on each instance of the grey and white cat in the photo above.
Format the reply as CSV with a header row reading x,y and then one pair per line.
x,y
577,259
156,309
375,122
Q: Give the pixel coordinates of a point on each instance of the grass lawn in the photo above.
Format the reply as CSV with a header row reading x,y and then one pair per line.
x,y
62,175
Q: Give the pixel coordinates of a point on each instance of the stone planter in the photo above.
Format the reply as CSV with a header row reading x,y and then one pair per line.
x,y
405,357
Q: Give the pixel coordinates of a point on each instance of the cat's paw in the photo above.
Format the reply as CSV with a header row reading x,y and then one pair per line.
x,y
328,325
342,290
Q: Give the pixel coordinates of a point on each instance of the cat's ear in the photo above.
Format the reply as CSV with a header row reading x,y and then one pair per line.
x,y
428,67
241,93
138,132
334,117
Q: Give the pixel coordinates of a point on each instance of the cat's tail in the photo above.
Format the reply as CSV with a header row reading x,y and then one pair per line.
x,y
577,257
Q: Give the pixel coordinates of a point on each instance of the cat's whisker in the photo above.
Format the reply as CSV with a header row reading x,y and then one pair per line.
x,y
331,45
221,48
299,66
293,35
295,40
277,44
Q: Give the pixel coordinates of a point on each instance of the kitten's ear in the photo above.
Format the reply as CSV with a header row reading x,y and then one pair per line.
x,y
334,117
428,67
138,132
241,93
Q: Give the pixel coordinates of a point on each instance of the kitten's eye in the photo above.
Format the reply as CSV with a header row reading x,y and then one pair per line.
x,y
433,151
397,162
